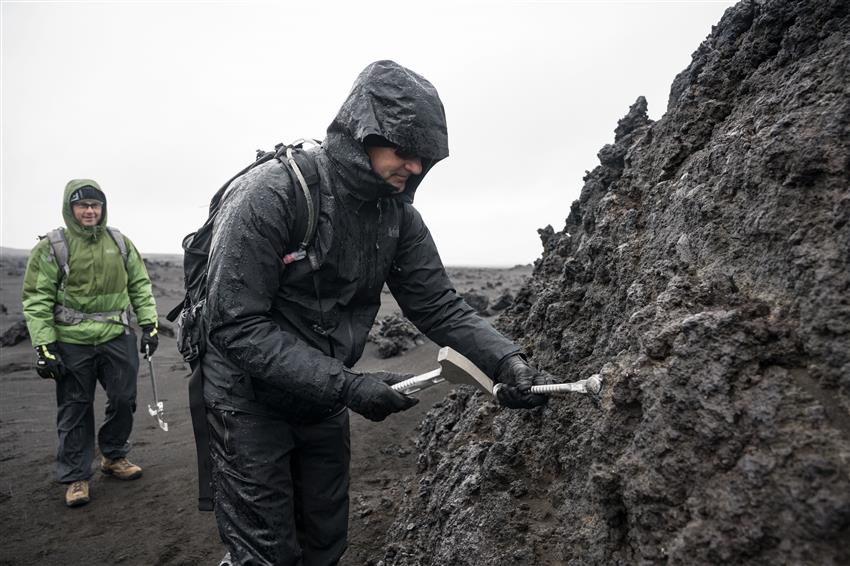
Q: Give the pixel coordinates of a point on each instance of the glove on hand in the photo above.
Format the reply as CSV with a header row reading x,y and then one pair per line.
x,y
49,364
370,394
518,377
150,337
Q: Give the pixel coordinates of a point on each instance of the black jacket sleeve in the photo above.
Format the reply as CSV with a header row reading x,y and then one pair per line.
x,y
250,238
419,283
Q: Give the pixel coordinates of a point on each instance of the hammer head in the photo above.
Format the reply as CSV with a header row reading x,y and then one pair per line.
x,y
457,369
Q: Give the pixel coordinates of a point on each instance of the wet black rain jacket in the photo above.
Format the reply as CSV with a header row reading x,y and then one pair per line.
x,y
270,338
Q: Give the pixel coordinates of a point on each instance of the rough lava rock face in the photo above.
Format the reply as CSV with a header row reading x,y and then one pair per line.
x,y
394,335
705,272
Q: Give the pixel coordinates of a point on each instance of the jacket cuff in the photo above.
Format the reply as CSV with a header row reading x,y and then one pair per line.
x,y
504,360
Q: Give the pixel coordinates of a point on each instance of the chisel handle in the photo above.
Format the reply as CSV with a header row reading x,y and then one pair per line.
x,y
592,385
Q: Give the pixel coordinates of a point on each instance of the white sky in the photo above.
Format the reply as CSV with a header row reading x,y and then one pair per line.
x,y
161,102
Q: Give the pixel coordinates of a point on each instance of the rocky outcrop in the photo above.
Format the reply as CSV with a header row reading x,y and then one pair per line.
x,y
504,300
479,301
705,272
15,334
394,335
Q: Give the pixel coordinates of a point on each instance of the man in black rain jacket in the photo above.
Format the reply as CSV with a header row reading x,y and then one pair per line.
x,y
280,344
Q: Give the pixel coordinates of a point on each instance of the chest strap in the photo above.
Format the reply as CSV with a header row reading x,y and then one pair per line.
x,y
67,316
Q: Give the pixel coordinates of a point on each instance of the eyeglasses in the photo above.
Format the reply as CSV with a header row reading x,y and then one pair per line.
x,y
91,205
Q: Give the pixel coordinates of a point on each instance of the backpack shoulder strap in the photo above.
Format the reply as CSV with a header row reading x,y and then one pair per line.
x,y
120,242
59,250
305,174
302,166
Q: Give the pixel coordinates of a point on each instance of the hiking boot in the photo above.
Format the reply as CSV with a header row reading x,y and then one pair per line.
x,y
77,493
121,468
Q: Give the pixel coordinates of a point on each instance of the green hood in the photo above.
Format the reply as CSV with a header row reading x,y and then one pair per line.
x,y
71,223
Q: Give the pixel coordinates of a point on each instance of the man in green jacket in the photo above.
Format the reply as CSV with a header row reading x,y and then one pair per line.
x,y
78,289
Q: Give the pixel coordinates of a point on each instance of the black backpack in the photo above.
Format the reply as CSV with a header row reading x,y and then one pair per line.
x,y
191,331
196,246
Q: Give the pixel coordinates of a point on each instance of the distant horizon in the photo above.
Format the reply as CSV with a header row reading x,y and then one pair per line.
x,y
6,251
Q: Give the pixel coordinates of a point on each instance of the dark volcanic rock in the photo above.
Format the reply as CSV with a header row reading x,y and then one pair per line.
x,y
15,334
478,301
705,271
505,300
394,335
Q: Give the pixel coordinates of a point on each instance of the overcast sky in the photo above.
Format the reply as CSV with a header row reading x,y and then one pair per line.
x,y
162,102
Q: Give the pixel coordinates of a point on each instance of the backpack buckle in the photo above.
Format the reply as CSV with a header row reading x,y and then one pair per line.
x,y
292,257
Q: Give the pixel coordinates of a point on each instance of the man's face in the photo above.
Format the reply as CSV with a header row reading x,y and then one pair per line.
x,y
393,165
87,212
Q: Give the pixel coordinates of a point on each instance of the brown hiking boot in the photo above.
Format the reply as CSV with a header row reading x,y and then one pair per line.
x,y
77,493
121,468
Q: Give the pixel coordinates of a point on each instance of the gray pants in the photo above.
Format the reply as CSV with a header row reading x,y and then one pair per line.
x,y
115,365
281,490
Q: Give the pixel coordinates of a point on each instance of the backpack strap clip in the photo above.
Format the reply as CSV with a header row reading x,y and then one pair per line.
x,y
292,257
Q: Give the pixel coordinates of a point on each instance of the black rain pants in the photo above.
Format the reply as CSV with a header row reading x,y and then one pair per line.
x,y
115,364
281,490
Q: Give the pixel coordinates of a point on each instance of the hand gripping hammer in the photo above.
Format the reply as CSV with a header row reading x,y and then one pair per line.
x,y
159,411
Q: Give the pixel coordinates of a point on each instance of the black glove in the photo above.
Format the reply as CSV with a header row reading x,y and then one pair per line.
x,y
49,364
389,377
370,394
518,377
150,337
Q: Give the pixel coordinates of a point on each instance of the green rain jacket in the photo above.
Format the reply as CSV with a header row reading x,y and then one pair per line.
x,y
98,282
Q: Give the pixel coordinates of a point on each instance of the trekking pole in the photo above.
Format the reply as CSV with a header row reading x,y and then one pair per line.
x,y
160,409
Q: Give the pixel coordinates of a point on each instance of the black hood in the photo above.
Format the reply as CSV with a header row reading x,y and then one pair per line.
x,y
395,103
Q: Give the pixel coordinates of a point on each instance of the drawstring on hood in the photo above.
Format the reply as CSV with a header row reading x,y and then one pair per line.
x,y
397,104
83,189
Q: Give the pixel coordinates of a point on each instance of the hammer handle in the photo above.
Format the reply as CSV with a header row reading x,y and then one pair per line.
x,y
418,382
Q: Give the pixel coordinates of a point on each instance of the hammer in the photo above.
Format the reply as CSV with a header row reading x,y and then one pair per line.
x,y
456,368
